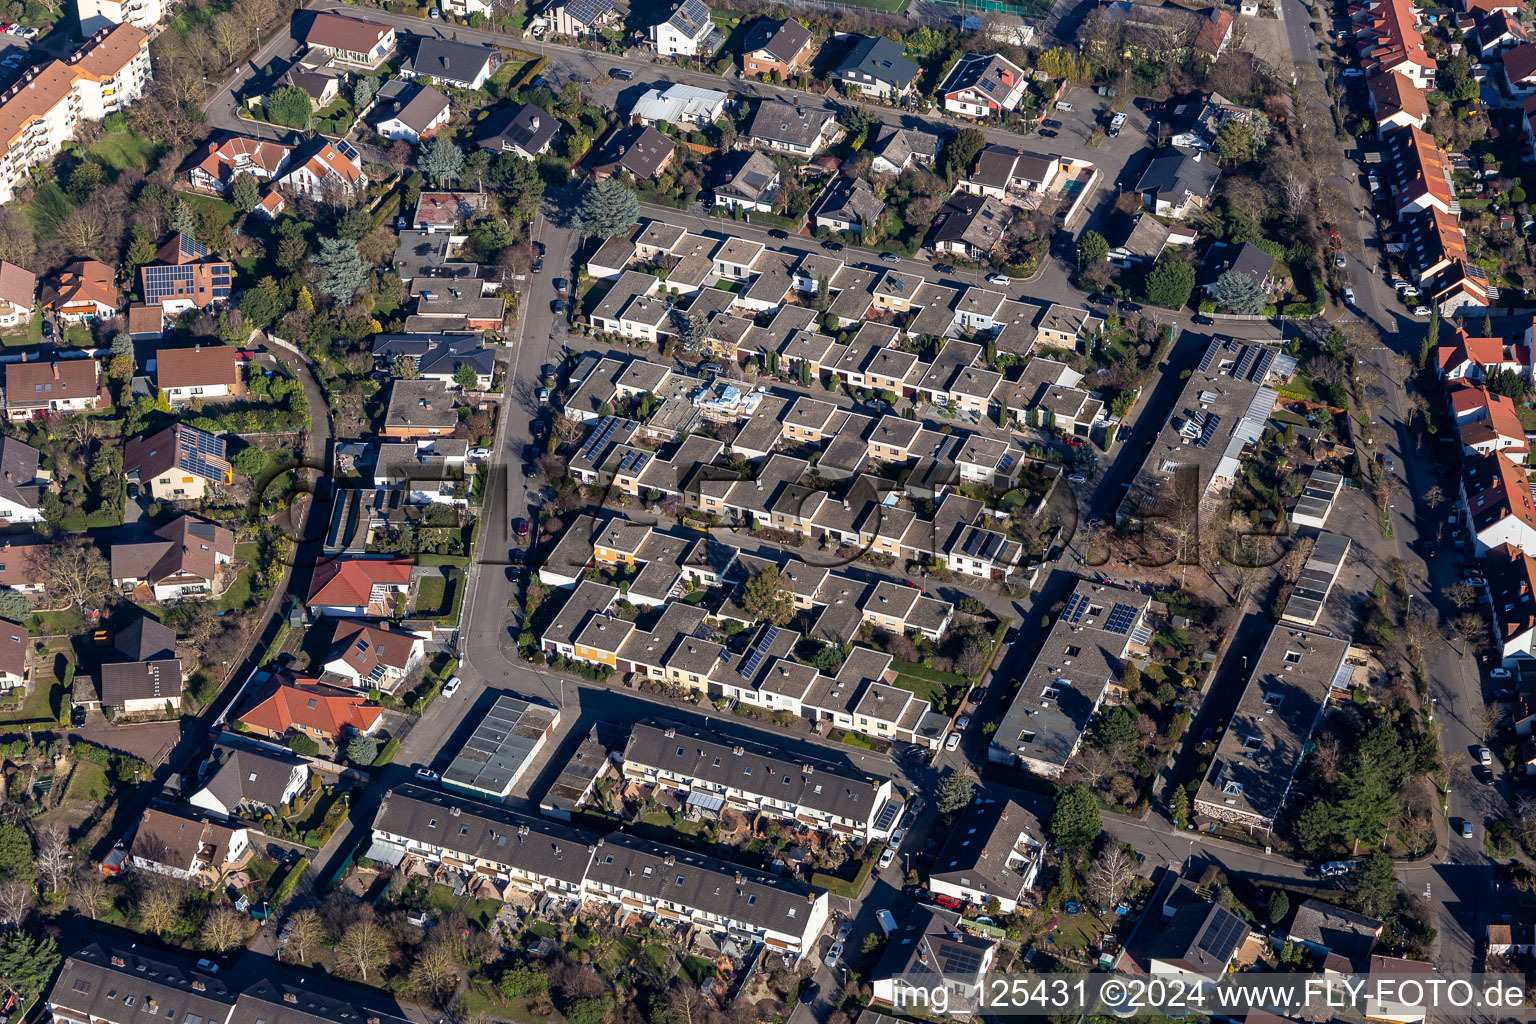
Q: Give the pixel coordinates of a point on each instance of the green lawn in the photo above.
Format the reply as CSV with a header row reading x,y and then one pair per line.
x,y
460,561
438,597
479,913
43,703
89,784
927,689
123,151
696,969
61,623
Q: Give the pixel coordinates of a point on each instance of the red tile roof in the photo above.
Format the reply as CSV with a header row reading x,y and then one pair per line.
x,y
1397,39
220,158
348,582
1420,168
308,704
82,281
1497,488
1394,93
196,367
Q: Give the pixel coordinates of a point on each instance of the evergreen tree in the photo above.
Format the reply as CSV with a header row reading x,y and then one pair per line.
x,y
343,270
1075,822
246,192
1375,885
363,92
766,596
606,209
362,749
290,106
1092,248
1178,807
27,962
1170,284
122,344
1238,292
1279,906
182,218
1431,339
304,303
955,793
466,378
441,160
141,251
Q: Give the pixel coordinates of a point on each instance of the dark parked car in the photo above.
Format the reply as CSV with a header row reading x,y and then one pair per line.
x,y
528,470
537,428
944,268
47,328
1099,300
778,233
558,306
1051,122
831,246
561,284
623,74
1049,133
1130,307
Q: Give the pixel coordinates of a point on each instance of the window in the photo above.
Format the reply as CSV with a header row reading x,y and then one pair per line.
x,y
1026,737
1293,657
432,823
1233,788
679,879
1253,743
1273,700
751,899
679,751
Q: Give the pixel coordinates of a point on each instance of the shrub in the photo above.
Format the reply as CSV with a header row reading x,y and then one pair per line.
x,y
387,755
290,882
303,745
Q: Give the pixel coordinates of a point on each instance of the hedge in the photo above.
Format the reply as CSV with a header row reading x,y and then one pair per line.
x,y
531,72
387,754
842,886
290,882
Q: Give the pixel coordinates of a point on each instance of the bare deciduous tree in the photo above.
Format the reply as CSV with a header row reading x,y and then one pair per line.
x,y
53,854
16,900
76,571
90,892
1462,594
160,905
364,947
1469,627
435,971
1488,718
1296,559
305,932
224,929
1110,876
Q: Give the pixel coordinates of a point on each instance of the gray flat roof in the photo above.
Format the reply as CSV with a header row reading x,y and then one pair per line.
x,y
500,748
1310,593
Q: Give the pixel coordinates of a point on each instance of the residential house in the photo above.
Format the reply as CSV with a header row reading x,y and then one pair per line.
x,y
333,169
687,32
1243,258
983,85
1166,31
452,64
680,105
351,40
467,8
446,211
1197,126
970,225
1488,421
296,706
1068,327
777,47
1463,287
249,782
202,371
373,657
1495,33
1177,184
1511,576
178,463
877,68
1396,102
1198,943
149,687
1519,63
526,130
14,648
1323,928
42,109
1469,358
214,167
993,851
1418,171
171,841
713,773
182,561
577,18
848,205
185,276
1083,654
18,294
439,357
81,292
784,128
358,587
419,408
418,118
749,181
22,486
896,149
1388,39
1256,761
321,83
641,152
22,563
1433,243
524,854
112,985
1141,239
146,322
929,949
35,389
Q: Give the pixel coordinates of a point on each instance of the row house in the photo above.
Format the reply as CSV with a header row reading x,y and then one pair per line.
x,y
754,779
41,111
1419,172
1511,576
1496,503
1388,39
1396,102
1488,421
1478,359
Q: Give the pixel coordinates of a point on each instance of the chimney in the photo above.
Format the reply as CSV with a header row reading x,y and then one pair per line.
x,y
55,371
534,124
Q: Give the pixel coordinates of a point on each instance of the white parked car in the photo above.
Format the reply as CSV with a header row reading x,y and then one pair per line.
x,y
452,686
952,742
1349,296
426,774
1421,311
1483,756
999,279
834,954
887,857
1499,673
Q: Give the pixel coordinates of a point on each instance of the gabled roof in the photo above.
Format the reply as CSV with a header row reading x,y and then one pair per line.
x,y
784,122
450,61
18,285
852,200
183,546
748,174
528,127
35,384
329,159
144,639
421,110
1497,488
1394,93
244,773
979,221
1511,577
1419,168
336,32
347,582
309,705
691,18
1175,174
122,681
220,159
178,447
990,74
82,281
18,473
114,983
881,59
199,366
373,652
783,40
173,837
639,150
13,648
1520,62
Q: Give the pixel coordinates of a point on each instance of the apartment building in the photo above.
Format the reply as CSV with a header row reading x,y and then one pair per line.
x,y
40,112
1496,503
1082,656
994,851
96,15
714,772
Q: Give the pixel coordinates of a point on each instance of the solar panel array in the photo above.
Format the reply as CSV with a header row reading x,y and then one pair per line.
x,y
162,281
887,816
1075,608
198,448
960,960
1208,429
602,433
345,149
633,462
1245,364
191,248
1222,936
758,652
1210,354
1121,616
588,11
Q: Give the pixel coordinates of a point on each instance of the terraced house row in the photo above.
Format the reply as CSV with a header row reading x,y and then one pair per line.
x,y
634,877
664,277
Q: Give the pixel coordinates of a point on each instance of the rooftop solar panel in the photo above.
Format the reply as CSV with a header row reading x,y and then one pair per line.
x,y
599,435
1210,354
1120,618
1208,429
1245,364
1075,608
